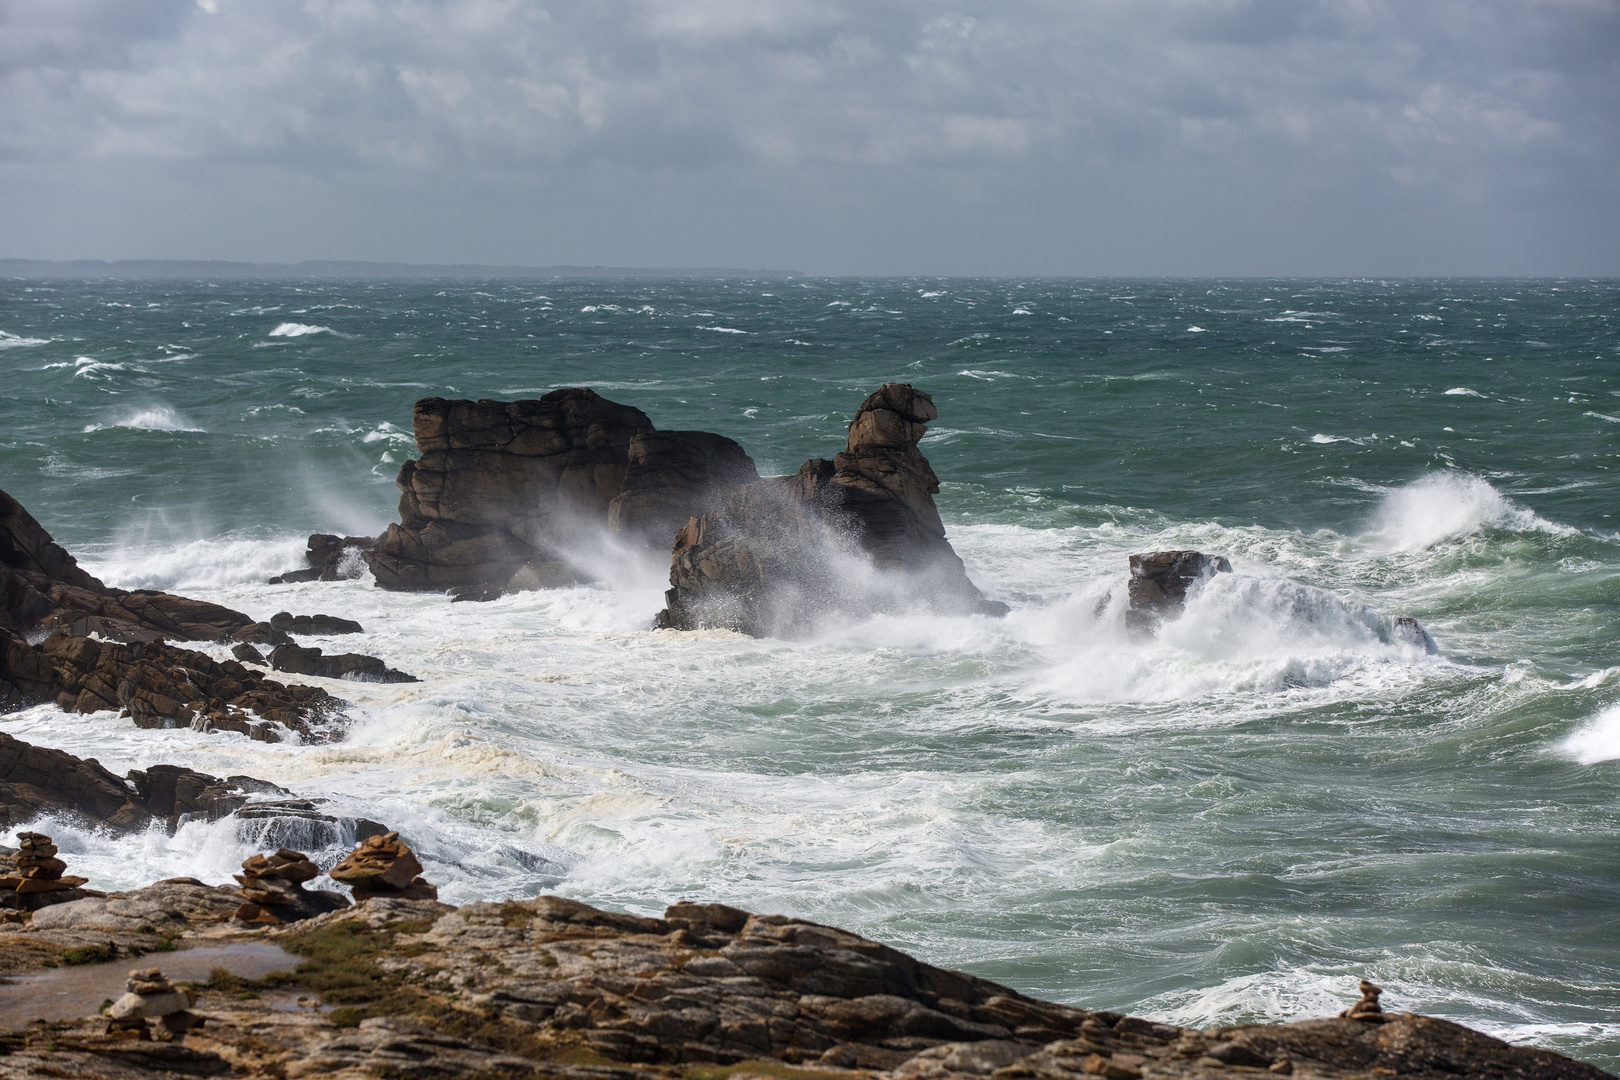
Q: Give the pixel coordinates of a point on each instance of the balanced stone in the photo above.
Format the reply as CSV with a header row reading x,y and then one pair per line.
x,y
383,866
273,889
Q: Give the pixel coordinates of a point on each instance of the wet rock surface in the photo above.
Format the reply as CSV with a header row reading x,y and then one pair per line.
x,y
330,558
36,779
671,477
300,660
555,988
784,552
1159,584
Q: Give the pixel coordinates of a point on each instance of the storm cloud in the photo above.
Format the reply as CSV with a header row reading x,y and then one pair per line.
x,y
1183,137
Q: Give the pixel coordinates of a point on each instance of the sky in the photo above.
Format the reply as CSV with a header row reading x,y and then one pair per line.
x,y
1042,137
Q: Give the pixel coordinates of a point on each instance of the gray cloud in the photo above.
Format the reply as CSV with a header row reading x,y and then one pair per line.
x,y
1247,136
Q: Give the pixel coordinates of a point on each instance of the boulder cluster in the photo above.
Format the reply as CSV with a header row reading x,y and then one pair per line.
x,y
383,866
37,877
152,1006
273,890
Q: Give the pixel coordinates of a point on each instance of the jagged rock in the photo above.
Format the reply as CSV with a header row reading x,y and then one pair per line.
x,y
500,486
1159,583
782,554
310,625
161,685
273,889
673,476
311,661
383,866
35,779
330,558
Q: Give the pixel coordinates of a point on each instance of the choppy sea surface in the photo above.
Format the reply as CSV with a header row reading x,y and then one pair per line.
x,y
1230,823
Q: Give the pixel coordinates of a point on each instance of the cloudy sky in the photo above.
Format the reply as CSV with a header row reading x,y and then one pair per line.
x,y
830,136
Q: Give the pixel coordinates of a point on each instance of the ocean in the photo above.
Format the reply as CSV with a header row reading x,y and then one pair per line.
x,y
1232,822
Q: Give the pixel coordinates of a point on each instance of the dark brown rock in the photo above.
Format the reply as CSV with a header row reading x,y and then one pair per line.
x,y
330,558
161,685
313,625
383,866
783,554
672,477
273,890
311,661
502,487
1159,584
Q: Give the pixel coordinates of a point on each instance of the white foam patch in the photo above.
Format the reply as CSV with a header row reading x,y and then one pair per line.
x,y
151,418
723,329
293,329
12,341
1463,391
1597,740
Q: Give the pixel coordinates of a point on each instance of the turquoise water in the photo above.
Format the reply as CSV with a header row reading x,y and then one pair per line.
x,y
1232,822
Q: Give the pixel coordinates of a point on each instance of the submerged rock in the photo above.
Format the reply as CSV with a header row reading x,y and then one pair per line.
x,y
848,537
1159,584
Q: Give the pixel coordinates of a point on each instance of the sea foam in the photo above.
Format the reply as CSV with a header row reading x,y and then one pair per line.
x,y
292,329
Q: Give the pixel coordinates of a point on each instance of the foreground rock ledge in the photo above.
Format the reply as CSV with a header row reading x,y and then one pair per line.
x,y
555,988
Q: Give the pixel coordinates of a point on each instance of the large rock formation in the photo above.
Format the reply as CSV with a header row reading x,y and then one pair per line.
x,y
508,494
852,536
1159,584
501,488
557,989
43,587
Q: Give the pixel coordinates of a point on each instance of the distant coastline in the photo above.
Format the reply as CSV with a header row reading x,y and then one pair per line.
x,y
330,268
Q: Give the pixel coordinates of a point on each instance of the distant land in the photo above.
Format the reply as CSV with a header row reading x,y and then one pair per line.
x,y
327,268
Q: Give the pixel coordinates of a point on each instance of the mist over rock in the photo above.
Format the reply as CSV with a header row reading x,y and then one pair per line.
x,y
507,493
853,536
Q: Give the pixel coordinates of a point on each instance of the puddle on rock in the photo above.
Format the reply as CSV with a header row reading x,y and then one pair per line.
x,y
69,993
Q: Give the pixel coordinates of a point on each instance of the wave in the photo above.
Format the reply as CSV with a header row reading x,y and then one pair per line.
x,y
1442,506
198,564
1597,740
12,341
152,418
293,329
1463,391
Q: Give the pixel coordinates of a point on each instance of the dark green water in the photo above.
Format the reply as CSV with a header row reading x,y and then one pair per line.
x,y
1234,821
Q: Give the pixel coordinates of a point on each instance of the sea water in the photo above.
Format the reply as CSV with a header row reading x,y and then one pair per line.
x,y
1233,821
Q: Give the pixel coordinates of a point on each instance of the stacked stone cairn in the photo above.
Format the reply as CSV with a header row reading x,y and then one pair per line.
x,y
273,890
36,879
383,866
152,997
1367,1010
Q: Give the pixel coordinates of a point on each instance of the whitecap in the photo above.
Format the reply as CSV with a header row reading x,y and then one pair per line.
x,y
1196,330
1596,740
1603,416
293,329
1326,439
1463,391
11,341
151,418
1015,311
723,329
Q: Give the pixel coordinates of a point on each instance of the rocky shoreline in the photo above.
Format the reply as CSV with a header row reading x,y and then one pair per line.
x,y
392,986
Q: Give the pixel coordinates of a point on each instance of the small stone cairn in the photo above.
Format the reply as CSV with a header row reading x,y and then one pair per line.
x,y
273,889
36,877
1367,1009
383,866
152,997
